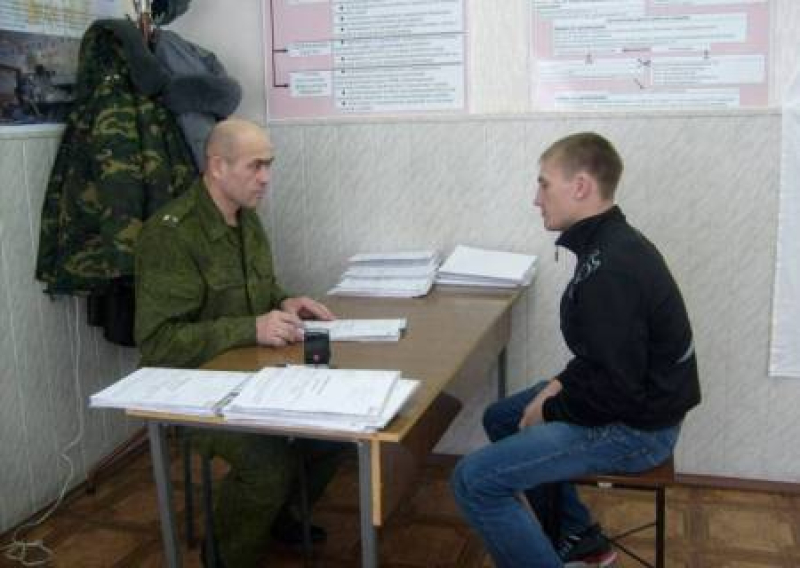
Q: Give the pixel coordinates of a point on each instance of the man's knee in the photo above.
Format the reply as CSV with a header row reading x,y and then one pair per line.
x,y
489,417
496,421
468,479
458,482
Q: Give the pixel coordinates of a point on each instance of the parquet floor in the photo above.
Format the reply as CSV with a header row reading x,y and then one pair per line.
x,y
117,527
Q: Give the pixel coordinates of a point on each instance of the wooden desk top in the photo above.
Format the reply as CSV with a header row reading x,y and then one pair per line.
x,y
444,329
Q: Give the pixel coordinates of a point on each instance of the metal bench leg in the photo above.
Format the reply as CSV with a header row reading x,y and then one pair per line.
x,y
209,542
661,511
305,512
188,490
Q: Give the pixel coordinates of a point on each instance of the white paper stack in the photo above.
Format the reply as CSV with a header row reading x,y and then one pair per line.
x,y
182,391
339,399
360,329
475,267
307,397
403,390
398,274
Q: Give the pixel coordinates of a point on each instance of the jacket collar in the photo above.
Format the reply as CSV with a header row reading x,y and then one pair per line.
x,y
579,235
211,218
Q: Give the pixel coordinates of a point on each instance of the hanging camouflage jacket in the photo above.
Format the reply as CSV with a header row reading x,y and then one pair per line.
x,y
122,156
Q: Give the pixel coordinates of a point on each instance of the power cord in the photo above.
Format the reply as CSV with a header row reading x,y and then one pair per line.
x,y
19,550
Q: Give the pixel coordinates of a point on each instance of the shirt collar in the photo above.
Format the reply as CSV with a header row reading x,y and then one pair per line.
x,y
211,218
579,235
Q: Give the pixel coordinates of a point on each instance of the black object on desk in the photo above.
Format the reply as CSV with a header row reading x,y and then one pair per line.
x,y
317,347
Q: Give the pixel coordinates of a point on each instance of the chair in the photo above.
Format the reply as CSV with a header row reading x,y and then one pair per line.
x,y
655,480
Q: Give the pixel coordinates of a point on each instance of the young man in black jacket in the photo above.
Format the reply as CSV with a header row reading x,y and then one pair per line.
x,y
617,405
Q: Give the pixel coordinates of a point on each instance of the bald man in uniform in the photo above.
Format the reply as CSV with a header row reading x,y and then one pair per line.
x,y
205,284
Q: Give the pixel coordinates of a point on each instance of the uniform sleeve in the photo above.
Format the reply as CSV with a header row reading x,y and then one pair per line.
x,y
605,381
170,292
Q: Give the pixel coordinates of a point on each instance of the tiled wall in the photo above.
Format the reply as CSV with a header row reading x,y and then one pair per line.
x,y
50,361
703,187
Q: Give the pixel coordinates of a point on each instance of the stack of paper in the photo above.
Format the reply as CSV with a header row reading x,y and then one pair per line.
x,y
182,391
307,397
360,329
338,399
468,266
398,274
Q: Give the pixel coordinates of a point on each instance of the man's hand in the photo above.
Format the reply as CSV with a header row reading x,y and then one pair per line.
x,y
533,412
306,308
277,328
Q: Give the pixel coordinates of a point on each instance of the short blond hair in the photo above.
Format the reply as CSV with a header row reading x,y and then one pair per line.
x,y
589,152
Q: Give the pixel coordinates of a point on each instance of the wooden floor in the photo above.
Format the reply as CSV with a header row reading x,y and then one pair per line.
x,y
118,526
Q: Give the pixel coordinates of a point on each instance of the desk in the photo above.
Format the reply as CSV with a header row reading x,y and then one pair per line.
x,y
447,332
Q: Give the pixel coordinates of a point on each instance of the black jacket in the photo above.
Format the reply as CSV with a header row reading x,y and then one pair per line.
x,y
623,318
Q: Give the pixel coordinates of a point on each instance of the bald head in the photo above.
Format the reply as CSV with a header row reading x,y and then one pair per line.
x,y
238,164
231,137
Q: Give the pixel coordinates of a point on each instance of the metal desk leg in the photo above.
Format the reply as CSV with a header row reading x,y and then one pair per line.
x,y
160,456
502,374
369,540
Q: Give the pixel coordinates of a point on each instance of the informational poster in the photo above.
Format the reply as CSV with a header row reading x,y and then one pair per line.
x,y
63,18
340,57
39,42
650,53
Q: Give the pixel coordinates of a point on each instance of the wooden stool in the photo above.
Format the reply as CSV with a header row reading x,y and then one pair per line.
x,y
656,480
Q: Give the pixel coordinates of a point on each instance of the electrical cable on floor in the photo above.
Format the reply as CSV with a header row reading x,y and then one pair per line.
x,y
18,550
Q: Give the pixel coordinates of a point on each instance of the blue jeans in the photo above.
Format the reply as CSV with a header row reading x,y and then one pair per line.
x,y
487,482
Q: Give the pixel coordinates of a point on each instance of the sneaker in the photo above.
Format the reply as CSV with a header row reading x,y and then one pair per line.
x,y
587,549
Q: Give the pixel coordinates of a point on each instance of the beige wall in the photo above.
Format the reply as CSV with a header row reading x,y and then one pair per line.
x,y
50,360
703,187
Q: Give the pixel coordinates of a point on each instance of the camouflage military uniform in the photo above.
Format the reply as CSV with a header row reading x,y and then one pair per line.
x,y
199,286
122,156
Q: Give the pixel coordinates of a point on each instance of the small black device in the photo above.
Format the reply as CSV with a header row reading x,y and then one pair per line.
x,y
317,347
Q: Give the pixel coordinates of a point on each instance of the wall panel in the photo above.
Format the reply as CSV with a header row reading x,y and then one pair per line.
x,y
43,402
710,207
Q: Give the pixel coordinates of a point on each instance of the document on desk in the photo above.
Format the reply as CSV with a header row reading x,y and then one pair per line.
x,y
402,392
394,258
383,270
388,274
470,266
383,287
183,391
360,329
309,391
